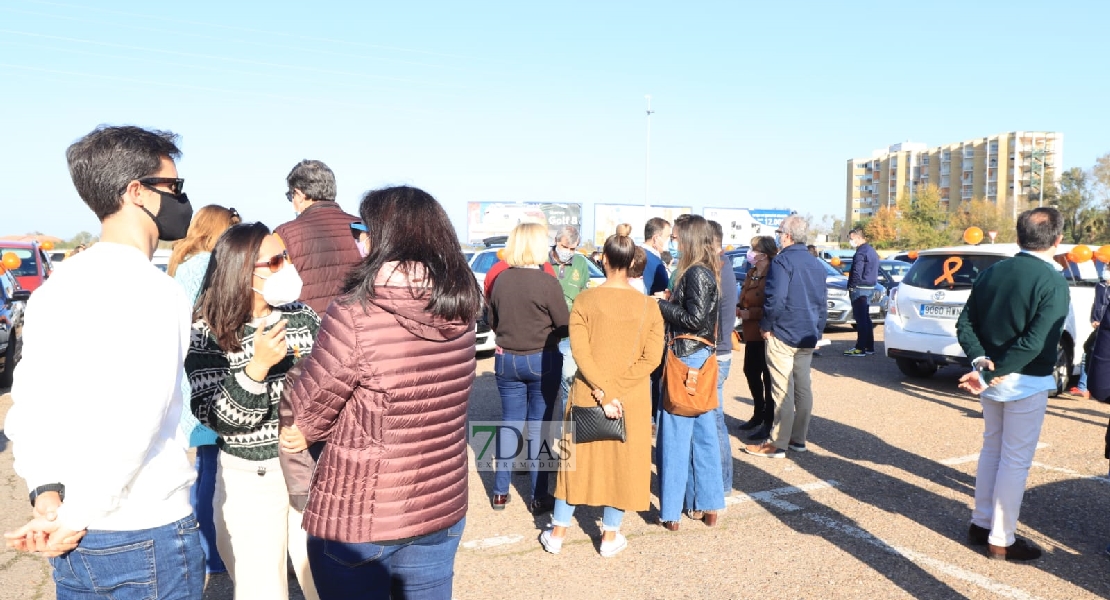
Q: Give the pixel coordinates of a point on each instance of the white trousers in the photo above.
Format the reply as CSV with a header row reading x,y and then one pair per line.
x,y
1010,434
256,528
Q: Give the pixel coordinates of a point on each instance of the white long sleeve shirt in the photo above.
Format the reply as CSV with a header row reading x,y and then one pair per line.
x,y
104,421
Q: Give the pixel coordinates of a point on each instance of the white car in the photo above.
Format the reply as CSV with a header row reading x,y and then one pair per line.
x,y
920,330
481,262
161,258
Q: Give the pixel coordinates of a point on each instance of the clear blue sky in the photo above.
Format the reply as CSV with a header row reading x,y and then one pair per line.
x,y
758,104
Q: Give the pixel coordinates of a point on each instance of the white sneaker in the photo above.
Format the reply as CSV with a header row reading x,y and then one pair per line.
x,y
551,543
613,548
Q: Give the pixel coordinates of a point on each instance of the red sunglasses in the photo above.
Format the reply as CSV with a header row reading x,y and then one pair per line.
x,y
275,263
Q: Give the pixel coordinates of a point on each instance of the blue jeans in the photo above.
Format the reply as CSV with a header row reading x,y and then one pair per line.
x,y
421,568
200,496
165,562
722,432
1082,385
684,442
569,371
529,386
610,519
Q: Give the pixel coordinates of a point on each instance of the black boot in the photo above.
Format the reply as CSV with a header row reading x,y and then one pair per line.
x,y
761,435
751,423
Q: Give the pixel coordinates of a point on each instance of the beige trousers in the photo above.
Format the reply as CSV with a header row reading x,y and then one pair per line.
x,y
791,389
256,528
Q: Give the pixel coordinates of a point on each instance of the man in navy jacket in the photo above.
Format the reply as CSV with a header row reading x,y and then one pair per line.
x,y
861,284
794,316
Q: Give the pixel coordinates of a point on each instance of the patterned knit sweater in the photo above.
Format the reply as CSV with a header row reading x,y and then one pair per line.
x,y
242,411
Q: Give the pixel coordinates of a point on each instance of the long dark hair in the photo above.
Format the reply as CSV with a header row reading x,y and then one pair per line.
x,y
226,297
695,242
407,225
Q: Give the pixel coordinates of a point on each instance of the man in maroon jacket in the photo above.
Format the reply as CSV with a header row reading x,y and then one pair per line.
x,y
319,240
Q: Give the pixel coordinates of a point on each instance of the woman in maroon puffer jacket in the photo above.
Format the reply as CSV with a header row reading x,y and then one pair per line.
x,y
386,386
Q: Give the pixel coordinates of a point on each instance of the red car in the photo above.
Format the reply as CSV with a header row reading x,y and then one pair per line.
x,y
34,263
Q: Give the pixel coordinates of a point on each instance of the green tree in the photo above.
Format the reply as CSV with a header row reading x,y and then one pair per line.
x,y
1083,220
923,219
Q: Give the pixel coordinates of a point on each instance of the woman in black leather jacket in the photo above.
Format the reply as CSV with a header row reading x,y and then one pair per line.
x,y
684,441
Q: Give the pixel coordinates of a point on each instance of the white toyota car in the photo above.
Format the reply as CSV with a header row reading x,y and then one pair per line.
x,y
920,329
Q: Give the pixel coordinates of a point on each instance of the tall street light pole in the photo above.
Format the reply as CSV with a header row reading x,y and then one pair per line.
x,y
647,162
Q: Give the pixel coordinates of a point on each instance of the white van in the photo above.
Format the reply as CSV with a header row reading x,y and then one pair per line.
x,y
920,329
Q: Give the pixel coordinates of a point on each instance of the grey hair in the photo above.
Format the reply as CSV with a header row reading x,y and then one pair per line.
x,y
314,179
568,232
795,227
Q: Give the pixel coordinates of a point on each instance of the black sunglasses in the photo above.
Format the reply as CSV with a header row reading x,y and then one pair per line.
x,y
235,215
176,185
275,263
289,195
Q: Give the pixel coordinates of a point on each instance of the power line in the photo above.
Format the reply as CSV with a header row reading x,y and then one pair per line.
x,y
204,56
198,67
252,30
276,98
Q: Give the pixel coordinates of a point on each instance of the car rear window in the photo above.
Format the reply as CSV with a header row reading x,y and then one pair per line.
x,y
949,271
27,264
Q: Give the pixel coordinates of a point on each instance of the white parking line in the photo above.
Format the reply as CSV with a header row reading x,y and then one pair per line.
x,y
913,556
772,496
500,540
1071,472
959,460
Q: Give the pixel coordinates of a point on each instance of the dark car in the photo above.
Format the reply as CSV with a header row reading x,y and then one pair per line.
x,y
34,263
838,308
891,272
13,301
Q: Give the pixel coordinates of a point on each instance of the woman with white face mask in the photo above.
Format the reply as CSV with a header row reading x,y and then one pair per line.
x,y
750,311
249,330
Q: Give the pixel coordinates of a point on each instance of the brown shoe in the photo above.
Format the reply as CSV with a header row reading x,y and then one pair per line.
x,y
766,450
710,518
499,501
1021,549
669,525
695,514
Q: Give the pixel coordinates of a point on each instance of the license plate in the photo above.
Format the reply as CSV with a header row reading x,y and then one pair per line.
x,y
941,311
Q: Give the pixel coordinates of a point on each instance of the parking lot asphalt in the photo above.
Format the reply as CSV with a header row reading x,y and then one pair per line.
x,y
878,508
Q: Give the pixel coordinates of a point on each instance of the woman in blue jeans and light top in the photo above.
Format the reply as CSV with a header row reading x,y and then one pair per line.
x,y
692,309
529,316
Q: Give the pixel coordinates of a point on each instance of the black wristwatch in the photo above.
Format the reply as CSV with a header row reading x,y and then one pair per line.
x,y
50,487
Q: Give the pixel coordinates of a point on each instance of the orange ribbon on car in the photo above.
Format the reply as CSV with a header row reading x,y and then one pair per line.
x,y
951,266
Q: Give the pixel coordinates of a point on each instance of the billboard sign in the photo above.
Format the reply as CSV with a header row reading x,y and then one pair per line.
x,y
739,225
608,216
769,216
490,219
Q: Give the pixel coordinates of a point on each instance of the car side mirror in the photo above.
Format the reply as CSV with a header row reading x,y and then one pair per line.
x,y
21,296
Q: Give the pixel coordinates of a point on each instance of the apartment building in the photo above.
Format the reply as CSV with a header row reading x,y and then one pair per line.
x,y
1007,168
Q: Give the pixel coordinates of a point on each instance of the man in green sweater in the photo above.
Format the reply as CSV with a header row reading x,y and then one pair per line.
x,y
1010,328
573,275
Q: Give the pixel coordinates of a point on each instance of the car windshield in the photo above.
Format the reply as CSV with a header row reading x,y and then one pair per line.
x,y
895,268
949,271
26,262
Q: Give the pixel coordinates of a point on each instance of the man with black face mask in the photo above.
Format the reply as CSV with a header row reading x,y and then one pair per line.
x,y
100,447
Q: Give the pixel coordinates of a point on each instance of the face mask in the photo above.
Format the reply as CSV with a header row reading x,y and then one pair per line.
x,y
173,216
564,254
853,243
283,287
672,247
752,256
362,251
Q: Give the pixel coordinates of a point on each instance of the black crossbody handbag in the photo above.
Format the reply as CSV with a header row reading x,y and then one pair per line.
x,y
590,422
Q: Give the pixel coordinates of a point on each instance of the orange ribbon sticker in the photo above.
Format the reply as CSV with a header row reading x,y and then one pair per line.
x,y
951,266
